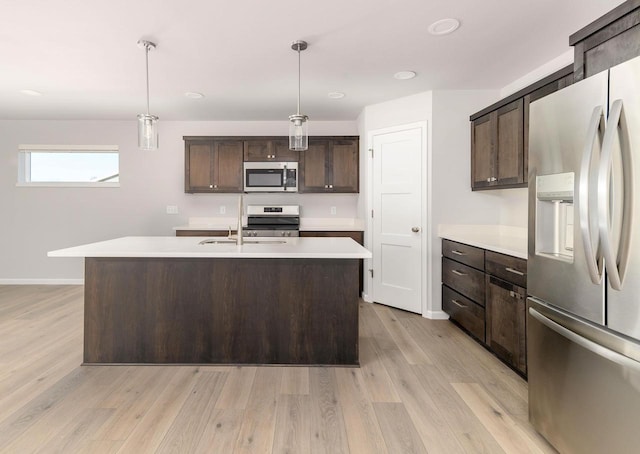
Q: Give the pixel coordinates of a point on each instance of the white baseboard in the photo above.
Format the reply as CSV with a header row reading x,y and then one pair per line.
x,y
41,281
436,315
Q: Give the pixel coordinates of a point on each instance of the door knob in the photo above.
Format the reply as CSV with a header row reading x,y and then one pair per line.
x,y
415,229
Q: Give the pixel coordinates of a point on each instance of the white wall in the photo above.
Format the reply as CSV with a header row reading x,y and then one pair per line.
x,y
39,219
540,72
449,196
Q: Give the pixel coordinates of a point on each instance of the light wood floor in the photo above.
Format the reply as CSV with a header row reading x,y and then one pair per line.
x,y
423,386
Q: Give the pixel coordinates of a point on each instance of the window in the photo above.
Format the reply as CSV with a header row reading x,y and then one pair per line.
x,y
69,165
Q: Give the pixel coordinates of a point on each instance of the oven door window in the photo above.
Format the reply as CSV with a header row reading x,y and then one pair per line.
x,y
264,178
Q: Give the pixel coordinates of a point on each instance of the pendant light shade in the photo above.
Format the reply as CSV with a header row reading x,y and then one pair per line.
x,y
147,123
298,132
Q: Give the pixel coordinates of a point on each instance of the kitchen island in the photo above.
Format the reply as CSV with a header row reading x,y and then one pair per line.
x,y
159,300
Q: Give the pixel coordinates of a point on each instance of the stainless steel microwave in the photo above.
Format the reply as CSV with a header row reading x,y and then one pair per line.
x,y
271,177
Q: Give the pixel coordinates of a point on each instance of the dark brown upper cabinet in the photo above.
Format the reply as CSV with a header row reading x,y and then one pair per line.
x,y
213,165
610,40
331,164
276,149
497,153
500,135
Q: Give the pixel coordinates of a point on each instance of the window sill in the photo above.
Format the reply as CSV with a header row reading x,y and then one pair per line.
x,y
67,185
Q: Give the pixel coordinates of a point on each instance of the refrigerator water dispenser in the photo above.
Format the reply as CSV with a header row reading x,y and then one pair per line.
x,y
554,216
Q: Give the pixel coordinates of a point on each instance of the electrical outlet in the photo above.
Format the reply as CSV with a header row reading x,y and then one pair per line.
x,y
223,209
333,210
172,209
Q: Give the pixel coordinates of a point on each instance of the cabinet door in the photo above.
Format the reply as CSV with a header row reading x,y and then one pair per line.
x,y
510,152
313,167
228,166
343,165
281,152
198,167
506,330
269,150
482,151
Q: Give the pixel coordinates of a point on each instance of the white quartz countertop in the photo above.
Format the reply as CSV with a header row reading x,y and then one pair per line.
x,y
306,224
170,246
498,238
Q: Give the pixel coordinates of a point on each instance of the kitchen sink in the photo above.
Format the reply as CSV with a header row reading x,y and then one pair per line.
x,y
245,240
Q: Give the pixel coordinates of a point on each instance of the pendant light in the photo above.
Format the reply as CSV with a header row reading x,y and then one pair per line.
x,y
147,123
298,136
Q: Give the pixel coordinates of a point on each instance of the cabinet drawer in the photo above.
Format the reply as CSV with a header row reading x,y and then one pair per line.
x,y
464,311
464,279
463,253
511,269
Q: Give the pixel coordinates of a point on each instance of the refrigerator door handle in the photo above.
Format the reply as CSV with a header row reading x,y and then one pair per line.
x,y
615,261
586,206
586,343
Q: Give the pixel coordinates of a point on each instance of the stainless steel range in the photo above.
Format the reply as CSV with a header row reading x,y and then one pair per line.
x,y
272,220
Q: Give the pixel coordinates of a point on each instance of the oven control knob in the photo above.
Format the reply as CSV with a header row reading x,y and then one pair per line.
x,y
254,233
288,233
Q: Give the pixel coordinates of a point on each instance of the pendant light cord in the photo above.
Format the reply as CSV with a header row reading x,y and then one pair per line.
x,y
146,52
298,79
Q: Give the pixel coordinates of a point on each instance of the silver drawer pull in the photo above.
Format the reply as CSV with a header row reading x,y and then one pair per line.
x,y
511,270
513,294
458,252
458,273
457,303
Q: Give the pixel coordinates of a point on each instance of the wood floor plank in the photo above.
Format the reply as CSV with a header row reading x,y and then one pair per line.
x,y
258,424
220,432
503,428
293,425
398,430
364,434
379,384
328,433
466,427
237,388
76,435
295,380
190,423
148,434
407,345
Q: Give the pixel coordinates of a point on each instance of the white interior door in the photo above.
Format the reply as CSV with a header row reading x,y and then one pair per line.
x,y
397,218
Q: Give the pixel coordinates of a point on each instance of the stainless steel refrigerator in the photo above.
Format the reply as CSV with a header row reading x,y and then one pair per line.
x,y
583,312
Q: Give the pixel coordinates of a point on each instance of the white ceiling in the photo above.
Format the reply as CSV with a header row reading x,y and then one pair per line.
x,y
82,54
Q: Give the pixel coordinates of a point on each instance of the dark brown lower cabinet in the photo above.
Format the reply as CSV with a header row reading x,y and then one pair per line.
x,y
484,293
505,318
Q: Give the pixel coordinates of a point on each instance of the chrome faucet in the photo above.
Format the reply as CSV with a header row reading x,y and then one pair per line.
x,y
239,228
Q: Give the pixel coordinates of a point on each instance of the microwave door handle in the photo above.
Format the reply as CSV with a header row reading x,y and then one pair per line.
x,y
284,178
586,206
615,261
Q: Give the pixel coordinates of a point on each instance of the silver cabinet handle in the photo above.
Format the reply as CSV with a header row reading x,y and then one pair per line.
x,y
511,270
210,186
586,343
615,267
458,273
415,229
456,252
330,186
494,179
586,207
459,304
215,186
489,180
326,186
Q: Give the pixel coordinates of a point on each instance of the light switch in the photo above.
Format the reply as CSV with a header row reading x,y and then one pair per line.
x,y
223,209
172,209
333,210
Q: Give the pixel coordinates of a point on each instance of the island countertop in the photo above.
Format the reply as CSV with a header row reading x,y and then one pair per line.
x,y
176,247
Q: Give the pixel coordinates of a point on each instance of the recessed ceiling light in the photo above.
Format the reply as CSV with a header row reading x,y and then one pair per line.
x,y
336,95
404,75
444,26
194,95
31,92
